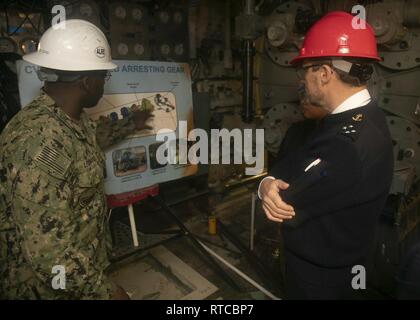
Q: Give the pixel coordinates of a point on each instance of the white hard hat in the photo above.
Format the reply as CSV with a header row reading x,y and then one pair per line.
x,y
73,45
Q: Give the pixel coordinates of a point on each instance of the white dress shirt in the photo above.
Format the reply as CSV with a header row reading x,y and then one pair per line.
x,y
357,100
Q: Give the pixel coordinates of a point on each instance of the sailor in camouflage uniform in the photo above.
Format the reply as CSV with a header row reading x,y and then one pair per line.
x,y
52,202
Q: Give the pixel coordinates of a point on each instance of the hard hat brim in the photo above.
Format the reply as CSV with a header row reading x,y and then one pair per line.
x,y
45,61
299,59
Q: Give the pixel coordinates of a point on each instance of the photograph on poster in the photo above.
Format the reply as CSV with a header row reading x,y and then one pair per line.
x,y
154,163
129,161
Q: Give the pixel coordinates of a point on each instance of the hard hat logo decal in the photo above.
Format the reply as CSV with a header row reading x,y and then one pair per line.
x,y
343,46
100,52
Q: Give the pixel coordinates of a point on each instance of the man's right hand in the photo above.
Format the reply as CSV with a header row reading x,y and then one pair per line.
x,y
274,207
140,119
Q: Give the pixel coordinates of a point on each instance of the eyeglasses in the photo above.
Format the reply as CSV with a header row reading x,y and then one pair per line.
x,y
301,71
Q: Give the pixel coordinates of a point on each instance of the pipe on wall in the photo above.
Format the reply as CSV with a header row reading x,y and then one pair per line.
x,y
248,70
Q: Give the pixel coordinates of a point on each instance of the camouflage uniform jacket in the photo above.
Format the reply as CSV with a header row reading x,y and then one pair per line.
x,y
52,205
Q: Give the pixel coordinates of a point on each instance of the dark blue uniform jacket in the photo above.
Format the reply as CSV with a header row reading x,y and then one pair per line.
x,y
337,202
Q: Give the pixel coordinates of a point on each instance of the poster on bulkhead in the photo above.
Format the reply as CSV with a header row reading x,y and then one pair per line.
x,y
164,88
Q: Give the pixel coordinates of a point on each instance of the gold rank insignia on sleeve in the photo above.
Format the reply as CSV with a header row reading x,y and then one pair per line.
x,y
358,117
53,161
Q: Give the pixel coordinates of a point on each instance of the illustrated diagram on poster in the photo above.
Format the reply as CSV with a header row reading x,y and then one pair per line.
x,y
119,106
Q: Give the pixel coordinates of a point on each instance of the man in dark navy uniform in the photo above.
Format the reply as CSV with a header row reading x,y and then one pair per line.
x,y
298,133
329,193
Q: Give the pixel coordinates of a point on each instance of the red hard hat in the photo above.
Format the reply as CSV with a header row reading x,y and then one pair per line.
x,y
334,36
